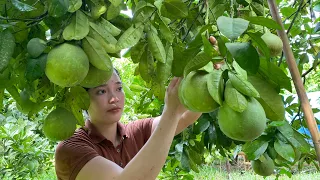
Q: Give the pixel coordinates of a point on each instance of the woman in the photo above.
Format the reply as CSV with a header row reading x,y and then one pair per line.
x,y
107,149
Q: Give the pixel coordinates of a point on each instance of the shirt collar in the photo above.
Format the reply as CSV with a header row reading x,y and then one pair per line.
x,y
97,137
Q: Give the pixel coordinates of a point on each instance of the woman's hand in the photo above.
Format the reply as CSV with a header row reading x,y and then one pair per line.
x,y
172,102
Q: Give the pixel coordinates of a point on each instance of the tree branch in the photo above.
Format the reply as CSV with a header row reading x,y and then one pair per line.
x,y
305,4
295,16
309,70
193,22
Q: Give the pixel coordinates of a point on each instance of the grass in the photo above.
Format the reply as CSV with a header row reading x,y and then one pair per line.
x,y
208,172
214,172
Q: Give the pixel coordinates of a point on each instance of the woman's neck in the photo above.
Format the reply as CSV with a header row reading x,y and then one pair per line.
x,y
109,131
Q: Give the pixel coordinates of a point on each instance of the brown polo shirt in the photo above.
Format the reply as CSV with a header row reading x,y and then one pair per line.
x,y
86,143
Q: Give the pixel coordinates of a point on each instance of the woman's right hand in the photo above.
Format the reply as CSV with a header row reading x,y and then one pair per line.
x,y
172,102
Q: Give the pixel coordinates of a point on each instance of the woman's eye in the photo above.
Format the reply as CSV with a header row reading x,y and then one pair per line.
x,y
119,88
101,92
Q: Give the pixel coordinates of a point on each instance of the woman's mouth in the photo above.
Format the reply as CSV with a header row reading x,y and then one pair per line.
x,y
114,110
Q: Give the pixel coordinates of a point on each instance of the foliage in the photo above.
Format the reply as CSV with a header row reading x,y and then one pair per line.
x,y
163,38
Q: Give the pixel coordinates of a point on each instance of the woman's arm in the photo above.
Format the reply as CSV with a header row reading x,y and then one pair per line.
x,y
150,159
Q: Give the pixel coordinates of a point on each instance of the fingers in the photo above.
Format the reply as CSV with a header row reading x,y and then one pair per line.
x,y
213,40
173,82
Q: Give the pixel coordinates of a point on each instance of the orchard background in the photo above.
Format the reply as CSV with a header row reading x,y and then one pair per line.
x,y
149,42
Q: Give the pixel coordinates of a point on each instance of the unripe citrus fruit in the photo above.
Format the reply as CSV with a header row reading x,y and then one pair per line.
x,y
67,65
195,94
273,42
96,77
59,125
36,47
264,167
244,126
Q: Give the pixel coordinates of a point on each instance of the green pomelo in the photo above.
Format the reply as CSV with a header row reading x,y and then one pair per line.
x,y
273,42
263,168
67,65
180,95
244,126
35,47
96,77
59,125
195,94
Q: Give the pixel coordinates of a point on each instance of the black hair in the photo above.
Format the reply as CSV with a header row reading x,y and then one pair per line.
x,y
117,72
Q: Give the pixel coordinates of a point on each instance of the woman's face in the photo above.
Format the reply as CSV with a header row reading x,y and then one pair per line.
x,y
107,101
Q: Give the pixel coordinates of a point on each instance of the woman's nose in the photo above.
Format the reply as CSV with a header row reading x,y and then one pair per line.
x,y
113,99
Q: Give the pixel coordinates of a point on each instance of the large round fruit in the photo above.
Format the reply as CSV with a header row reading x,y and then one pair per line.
x,y
67,65
273,42
36,47
263,168
195,94
244,126
96,77
59,125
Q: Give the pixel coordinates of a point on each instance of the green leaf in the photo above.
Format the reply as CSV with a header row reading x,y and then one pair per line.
x,y
80,97
176,7
115,2
257,8
164,29
58,8
242,85
284,150
131,36
103,32
146,65
275,74
316,7
235,99
113,30
263,21
7,46
22,6
96,54
245,55
294,137
201,125
207,47
255,149
1,98
74,5
200,60
185,160
35,68
241,72
270,100
112,12
156,46
78,28
137,51
256,37
232,28
215,85
286,172
287,11
194,156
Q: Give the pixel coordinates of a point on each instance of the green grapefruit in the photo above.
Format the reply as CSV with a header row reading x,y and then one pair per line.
x,y
60,124
273,42
263,166
96,77
35,47
194,93
244,126
67,65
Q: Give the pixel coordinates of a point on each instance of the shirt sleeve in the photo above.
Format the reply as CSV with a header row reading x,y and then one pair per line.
x,y
70,157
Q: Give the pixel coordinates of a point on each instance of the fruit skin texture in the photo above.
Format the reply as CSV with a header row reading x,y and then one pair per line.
x,y
96,77
263,168
195,94
273,42
59,125
244,126
67,65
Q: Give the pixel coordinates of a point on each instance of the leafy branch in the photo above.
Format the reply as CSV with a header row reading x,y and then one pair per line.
x,y
309,70
184,38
